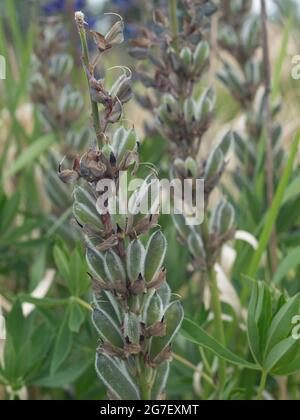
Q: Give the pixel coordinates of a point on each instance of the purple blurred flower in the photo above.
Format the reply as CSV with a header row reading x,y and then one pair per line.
x,y
124,4
59,6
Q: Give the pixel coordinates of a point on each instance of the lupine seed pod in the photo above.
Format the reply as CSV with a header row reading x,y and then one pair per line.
x,y
225,143
154,312
114,268
191,167
214,164
196,245
226,217
187,58
135,259
201,55
106,328
155,255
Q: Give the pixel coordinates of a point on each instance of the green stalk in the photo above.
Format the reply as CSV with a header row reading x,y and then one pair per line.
x,y
216,306
86,61
217,309
262,386
174,23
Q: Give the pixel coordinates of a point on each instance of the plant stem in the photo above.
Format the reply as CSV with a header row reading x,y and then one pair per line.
x,y
217,309
86,61
174,23
262,386
216,303
269,129
194,368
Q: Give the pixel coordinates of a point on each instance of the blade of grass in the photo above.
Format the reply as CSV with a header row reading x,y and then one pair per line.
x,y
274,210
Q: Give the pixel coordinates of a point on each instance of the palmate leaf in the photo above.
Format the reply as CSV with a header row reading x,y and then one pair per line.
x,y
195,334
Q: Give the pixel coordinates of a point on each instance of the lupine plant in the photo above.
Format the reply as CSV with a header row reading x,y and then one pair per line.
x,y
132,309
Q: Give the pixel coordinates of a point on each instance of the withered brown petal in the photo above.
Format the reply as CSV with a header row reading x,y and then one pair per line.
x,y
115,35
100,40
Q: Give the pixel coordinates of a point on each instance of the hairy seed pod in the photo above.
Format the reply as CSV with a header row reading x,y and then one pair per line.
x,y
186,56
155,255
132,327
201,55
226,143
226,218
165,294
154,311
127,143
189,108
135,259
196,245
173,318
114,268
85,216
191,167
214,164
181,226
61,66
106,328
95,262
160,381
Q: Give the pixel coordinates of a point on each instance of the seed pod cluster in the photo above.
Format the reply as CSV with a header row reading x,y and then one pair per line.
x,y
184,117
240,36
133,312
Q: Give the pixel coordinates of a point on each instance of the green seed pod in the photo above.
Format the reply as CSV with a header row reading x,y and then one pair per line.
x,y
226,142
214,220
108,303
155,255
173,318
106,328
85,216
122,89
135,259
201,55
227,37
160,382
132,327
191,167
114,268
214,163
116,378
181,226
95,262
154,311
226,218
164,115
196,245
127,144
165,294
186,56
171,103
83,197
108,153
189,108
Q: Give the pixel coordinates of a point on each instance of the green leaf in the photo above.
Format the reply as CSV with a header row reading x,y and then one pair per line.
x,y
61,262
252,327
9,211
62,346
281,325
275,208
76,317
291,261
31,154
79,282
192,332
278,352
64,377
115,377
